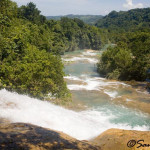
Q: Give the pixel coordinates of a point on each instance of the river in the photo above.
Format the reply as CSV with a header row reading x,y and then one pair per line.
x,y
103,103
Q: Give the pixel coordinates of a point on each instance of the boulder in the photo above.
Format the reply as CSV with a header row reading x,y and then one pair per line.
x,y
21,136
116,139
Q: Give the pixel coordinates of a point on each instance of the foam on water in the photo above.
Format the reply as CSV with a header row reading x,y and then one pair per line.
x,y
143,92
112,94
89,53
73,78
92,83
129,100
81,58
81,125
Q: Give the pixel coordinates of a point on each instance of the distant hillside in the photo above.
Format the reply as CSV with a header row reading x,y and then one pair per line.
x,y
126,20
89,19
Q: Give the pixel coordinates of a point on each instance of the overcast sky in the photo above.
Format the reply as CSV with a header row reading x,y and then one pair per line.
x,y
95,7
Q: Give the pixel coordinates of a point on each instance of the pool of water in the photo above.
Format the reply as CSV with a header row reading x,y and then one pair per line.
x,y
102,103
99,94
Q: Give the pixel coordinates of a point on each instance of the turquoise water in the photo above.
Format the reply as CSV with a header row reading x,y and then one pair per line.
x,y
99,104
100,94
78,69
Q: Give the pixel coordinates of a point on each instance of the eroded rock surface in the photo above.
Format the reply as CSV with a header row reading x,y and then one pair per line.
x,y
116,139
20,136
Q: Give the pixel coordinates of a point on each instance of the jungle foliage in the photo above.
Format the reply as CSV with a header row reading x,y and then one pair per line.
x,y
125,21
30,48
118,23
129,59
89,19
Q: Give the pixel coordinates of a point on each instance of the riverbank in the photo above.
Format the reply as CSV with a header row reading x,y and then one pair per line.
x,y
97,95
82,75
135,101
116,139
30,137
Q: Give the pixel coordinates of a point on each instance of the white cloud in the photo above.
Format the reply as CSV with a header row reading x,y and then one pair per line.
x,y
129,5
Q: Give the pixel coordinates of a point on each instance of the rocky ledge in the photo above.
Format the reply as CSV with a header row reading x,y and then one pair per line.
x,y
116,139
20,136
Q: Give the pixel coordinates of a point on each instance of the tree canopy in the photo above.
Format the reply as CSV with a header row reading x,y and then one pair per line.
x,y
129,59
126,20
30,48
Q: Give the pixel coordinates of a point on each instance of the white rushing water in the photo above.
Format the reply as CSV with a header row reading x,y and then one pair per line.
x,y
101,115
91,60
81,125
94,83
82,57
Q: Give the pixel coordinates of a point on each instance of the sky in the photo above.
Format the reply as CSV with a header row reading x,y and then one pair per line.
x,y
84,7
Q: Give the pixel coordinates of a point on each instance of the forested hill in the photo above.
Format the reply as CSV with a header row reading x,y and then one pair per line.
x,y
126,20
130,58
30,48
89,19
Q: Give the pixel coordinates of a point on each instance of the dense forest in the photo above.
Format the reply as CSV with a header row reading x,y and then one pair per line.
x,y
124,21
117,23
130,58
31,45
89,19
30,48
